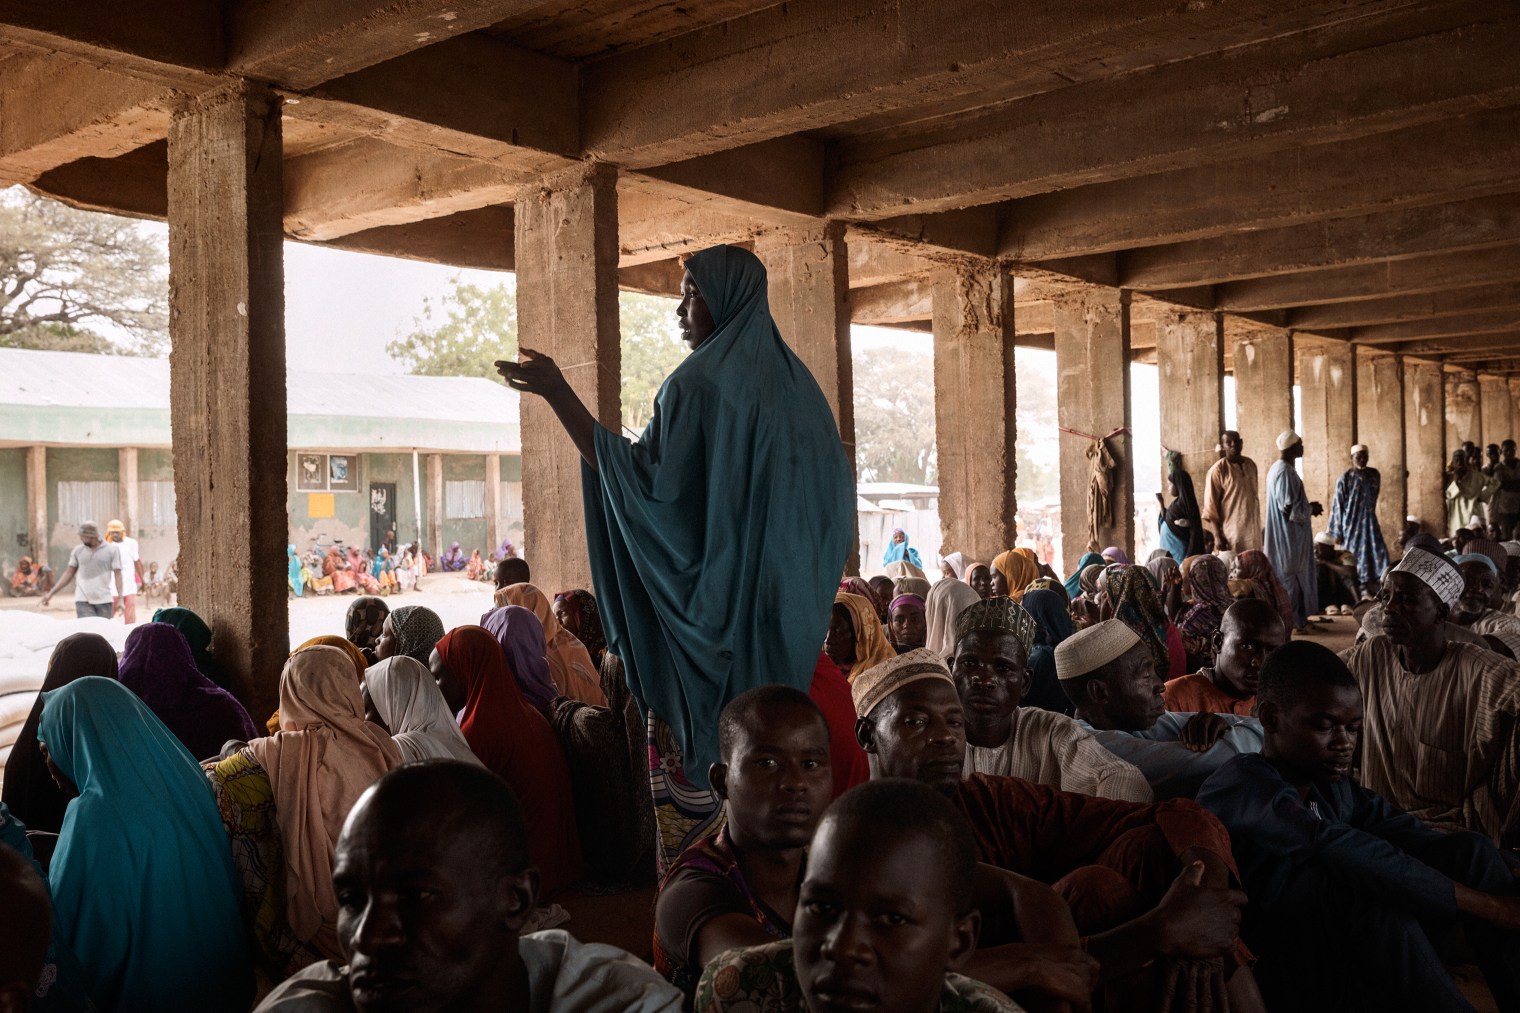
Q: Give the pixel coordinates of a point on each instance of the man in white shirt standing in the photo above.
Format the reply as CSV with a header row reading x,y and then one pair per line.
x,y
131,569
97,564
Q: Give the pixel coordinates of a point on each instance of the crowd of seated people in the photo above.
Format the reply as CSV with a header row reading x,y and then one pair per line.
x,y
1003,791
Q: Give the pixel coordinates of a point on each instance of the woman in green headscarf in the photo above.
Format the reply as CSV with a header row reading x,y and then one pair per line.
x,y
143,882
198,634
682,525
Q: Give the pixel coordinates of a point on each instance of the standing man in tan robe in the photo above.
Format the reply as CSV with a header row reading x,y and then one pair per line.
x,y
1232,498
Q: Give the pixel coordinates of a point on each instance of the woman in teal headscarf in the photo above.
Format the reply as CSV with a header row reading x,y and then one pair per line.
x,y
1073,583
198,635
294,571
682,525
143,882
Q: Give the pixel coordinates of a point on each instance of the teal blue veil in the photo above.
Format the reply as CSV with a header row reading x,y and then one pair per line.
x,y
717,540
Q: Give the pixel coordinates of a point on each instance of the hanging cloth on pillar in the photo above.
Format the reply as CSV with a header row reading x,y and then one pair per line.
x,y
741,456
1100,488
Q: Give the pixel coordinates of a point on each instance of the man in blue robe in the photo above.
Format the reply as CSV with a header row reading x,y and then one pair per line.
x,y
1289,535
1354,523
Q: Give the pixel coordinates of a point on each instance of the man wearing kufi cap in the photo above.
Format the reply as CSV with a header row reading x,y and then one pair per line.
x,y
1112,681
1290,533
1439,731
1353,519
990,663
1107,858
1232,498
1483,592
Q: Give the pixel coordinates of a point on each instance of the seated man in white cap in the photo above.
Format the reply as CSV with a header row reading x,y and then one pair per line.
x,y
1353,520
1111,678
1289,531
990,663
1150,886
1483,594
1335,575
1439,735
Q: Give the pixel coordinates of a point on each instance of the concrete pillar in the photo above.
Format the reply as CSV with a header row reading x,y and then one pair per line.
x,y
493,504
1263,366
126,488
36,503
974,403
1190,368
1380,418
1497,409
435,504
1425,443
809,294
1327,385
1091,327
1514,409
227,378
1464,416
567,306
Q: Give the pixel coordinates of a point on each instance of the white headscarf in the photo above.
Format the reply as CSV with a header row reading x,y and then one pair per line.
x,y
947,600
957,561
412,707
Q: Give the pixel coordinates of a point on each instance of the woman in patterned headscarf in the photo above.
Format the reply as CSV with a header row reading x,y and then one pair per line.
x,y
1253,577
1130,597
364,623
1206,581
576,612
856,640
411,630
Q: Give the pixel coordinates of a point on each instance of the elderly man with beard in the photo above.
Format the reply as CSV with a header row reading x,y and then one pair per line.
x,y
1483,593
1441,716
1150,886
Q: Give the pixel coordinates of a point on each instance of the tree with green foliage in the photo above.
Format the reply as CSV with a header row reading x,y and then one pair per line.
x,y
79,281
894,416
465,331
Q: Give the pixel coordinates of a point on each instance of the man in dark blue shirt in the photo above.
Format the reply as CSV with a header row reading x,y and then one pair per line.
x,y
1350,897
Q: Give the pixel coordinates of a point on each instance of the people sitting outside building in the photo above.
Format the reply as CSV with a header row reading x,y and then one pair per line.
x,y
453,832
31,578
1251,630
1351,897
990,664
1439,734
1148,885
1110,675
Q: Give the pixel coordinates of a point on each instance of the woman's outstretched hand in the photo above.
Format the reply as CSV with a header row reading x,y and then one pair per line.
x,y
533,373
536,373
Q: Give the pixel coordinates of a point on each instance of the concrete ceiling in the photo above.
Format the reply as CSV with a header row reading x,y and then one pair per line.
x,y
1345,168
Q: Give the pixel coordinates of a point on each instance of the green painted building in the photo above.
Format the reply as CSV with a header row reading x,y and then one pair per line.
x,y
87,437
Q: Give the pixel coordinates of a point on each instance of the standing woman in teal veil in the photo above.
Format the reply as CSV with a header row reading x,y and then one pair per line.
x,y
682,525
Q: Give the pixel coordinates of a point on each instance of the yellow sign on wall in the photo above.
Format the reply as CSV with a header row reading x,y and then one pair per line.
x,y
319,504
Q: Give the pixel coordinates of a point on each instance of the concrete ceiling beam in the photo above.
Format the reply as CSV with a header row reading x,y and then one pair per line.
x,y
798,67
475,95
1220,106
56,109
1469,156
1398,309
300,45
1473,347
179,39
1429,273
1492,322
1464,225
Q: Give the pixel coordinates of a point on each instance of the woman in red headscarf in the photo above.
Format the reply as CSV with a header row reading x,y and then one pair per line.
x,y
515,742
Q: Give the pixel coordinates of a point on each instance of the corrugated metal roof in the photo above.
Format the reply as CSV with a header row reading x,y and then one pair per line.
x,y
390,405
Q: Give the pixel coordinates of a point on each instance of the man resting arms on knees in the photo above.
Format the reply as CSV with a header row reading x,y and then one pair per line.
x,y
1349,895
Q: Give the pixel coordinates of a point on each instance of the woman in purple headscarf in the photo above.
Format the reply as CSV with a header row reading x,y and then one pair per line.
x,y
521,637
157,665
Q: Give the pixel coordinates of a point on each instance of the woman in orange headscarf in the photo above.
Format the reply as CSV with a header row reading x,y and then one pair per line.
x,y
1019,569
569,661
856,640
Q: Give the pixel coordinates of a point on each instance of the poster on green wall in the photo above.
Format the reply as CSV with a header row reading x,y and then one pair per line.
x,y
342,473
311,472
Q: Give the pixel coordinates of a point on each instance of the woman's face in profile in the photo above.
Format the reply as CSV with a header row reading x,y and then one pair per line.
x,y
695,319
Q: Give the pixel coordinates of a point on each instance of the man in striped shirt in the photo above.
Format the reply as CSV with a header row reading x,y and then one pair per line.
x,y
1439,739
